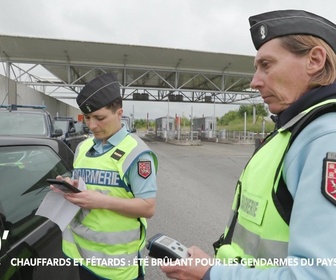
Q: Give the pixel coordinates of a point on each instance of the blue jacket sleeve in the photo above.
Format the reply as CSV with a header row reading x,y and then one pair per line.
x,y
313,219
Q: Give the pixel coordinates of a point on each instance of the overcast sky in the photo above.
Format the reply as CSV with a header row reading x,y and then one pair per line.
x,y
205,25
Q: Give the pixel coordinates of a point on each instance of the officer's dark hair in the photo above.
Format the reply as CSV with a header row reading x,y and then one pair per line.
x,y
301,45
115,105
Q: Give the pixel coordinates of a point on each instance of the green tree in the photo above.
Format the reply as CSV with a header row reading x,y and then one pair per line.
x,y
261,110
248,109
228,117
184,122
139,123
234,120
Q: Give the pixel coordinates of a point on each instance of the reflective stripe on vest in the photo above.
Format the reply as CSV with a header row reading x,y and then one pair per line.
x,y
251,242
259,231
111,238
125,259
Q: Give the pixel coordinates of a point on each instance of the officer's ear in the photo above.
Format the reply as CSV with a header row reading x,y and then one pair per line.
x,y
317,57
120,112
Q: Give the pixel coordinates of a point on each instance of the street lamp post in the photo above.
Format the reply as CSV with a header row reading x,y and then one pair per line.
x,y
167,124
214,117
191,124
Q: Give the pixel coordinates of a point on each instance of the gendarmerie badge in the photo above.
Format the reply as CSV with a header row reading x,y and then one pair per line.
x,y
144,169
329,177
263,31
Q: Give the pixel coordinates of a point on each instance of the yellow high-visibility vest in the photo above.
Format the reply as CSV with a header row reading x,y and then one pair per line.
x,y
108,242
258,228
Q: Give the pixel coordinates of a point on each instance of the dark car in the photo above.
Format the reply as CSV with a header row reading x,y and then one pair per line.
x,y
74,132
27,120
31,245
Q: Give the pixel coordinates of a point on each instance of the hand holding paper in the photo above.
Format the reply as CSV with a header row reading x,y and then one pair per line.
x,y
56,208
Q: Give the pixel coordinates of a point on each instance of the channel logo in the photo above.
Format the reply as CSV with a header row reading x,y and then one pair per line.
x,y
4,236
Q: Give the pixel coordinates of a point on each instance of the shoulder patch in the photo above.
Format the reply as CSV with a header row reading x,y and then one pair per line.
x,y
329,178
144,168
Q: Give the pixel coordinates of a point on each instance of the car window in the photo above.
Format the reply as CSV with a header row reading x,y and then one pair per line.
x,y
62,125
23,173
21,123
79,127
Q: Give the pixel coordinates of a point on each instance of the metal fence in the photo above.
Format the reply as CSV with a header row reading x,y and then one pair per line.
x,y
215,136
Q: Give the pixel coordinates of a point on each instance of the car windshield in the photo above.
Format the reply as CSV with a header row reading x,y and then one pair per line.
x,y
22,123
23,173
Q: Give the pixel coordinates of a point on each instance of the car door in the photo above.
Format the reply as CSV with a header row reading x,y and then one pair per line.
x,y
31,245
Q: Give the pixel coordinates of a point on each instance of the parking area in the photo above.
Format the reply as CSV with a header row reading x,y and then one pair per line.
x,y
195,191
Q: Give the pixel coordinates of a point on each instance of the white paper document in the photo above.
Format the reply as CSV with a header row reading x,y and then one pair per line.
x,y
57,209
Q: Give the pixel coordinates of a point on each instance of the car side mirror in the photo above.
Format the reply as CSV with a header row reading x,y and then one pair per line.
x,y
58,132
86,129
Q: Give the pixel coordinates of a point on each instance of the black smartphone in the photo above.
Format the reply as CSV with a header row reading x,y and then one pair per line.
x,y
63,185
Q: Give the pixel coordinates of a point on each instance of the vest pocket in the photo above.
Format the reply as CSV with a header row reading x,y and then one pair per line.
x,y
252,207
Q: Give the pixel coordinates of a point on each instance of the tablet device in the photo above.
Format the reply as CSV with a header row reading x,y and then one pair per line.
x,y
63,185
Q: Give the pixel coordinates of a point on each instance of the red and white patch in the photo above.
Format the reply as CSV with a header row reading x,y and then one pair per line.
x,y
329,182
144,169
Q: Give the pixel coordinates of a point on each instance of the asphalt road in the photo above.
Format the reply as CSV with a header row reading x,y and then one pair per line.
x,y
195,191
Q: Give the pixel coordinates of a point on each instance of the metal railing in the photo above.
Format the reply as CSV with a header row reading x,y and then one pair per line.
x,y
215,136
